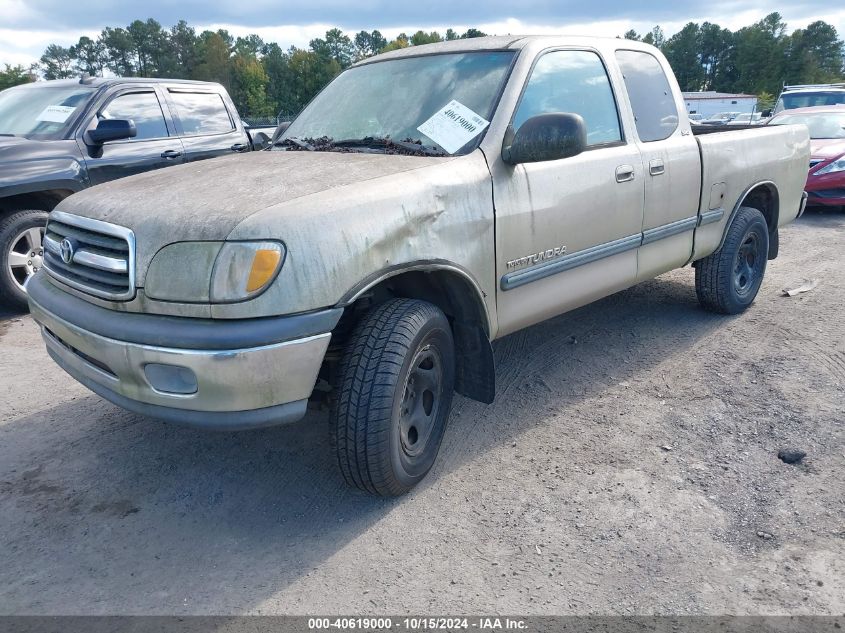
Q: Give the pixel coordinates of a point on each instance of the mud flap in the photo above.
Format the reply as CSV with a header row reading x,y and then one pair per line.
x,y
475,370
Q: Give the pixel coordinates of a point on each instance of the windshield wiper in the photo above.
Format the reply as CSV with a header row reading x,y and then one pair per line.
x,y
298,142
391,146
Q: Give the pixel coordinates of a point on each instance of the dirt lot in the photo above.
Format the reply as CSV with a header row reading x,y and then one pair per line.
x,y
559,498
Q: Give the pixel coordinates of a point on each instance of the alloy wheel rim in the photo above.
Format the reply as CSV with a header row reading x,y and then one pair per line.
x,y
26,255
420,401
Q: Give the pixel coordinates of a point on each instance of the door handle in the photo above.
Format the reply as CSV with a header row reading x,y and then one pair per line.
x,y
656,167
171,153
624,173
239,147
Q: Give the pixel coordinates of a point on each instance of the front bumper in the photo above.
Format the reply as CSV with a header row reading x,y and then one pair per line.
x,y
242,374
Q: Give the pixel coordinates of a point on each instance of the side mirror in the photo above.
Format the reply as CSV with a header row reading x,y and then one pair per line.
x,y
112,130
547,137
280,129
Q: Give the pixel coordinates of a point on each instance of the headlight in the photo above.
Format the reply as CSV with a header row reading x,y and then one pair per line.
x,y
216,272
837,165
243,270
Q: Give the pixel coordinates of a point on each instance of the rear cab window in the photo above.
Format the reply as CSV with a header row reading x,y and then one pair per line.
x,y
655,110
201,113
573,81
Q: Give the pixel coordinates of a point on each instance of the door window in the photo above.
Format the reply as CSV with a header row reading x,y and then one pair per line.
x,y
201,113
652,101
574,82
141,107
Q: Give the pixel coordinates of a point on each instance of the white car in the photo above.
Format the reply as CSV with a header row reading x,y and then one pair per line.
x,y
746,119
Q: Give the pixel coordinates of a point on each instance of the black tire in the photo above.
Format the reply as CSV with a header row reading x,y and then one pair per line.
x,y
728,280
394,392
13,272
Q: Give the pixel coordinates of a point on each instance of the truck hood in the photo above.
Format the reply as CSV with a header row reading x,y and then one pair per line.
x,y
206,200
826,148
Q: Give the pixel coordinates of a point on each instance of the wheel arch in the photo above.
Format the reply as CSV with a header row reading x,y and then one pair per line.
x,y
763,196
452,289
39,200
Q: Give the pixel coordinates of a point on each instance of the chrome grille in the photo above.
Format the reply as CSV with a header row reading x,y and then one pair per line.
x,y
98,257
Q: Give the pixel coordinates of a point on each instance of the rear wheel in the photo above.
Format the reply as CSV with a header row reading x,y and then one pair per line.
x,y
21,254
728,280
394,394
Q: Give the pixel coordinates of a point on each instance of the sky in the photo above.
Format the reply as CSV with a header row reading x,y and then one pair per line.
x,y
28,26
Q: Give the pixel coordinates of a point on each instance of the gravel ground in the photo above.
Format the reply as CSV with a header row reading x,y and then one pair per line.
x,y
628,465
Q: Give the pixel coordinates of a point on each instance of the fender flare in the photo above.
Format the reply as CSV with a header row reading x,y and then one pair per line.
x,y
776,197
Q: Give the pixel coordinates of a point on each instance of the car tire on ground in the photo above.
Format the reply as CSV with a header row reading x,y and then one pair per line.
x,y
728,280
21,254
394,392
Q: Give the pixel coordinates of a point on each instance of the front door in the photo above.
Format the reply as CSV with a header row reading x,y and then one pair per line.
x,y
154,147
567,231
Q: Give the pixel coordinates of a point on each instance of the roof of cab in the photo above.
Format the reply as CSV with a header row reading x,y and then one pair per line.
x,y
502,42
98,82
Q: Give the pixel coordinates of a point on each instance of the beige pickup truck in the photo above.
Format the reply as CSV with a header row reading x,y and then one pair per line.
x,y
427,202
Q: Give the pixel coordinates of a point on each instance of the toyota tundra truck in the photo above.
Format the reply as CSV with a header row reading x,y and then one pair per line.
x,y
427,202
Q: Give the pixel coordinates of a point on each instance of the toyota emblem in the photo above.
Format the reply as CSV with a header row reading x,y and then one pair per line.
x,y
67,251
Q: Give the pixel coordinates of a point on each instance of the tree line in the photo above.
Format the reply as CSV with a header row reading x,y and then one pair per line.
x,y
264,79
757,59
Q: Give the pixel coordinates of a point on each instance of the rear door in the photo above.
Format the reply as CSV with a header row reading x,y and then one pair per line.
x,y
155,146
207,124
567,230
671,164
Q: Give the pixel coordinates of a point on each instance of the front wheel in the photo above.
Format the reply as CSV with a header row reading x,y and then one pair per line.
x,y
728,280
21,254
395,388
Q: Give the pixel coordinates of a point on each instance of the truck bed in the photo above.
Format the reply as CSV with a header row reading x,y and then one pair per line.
x,y
735,160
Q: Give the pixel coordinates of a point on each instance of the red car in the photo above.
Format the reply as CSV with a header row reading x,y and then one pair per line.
x,y
826,181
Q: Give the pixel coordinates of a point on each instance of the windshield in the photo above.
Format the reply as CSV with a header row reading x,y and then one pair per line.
x,y
41,111
821,125
790,101
452,96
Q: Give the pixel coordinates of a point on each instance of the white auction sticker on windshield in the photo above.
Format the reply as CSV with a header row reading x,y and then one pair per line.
x,y
55,113
454,126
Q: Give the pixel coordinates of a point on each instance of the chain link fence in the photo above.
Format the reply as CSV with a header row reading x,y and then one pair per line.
x,y
267,121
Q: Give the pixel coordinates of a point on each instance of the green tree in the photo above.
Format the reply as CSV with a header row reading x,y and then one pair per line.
x,y
760,56
655,37
119,51
765,101
184,48
57,62
336,46
249,86
421,37
16,75
215,64
368,44
251,46
279,79
310,73
682,51
89,56
631,34
451,35
470,33
400,42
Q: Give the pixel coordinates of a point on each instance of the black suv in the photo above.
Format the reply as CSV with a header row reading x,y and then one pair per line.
x,y
58,137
